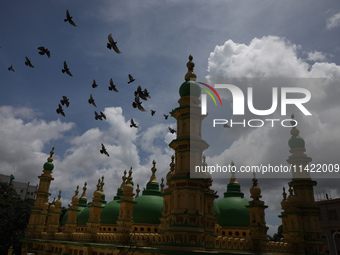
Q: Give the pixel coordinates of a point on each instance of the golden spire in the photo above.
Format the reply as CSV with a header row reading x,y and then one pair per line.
x,y
102,184
50,159
59,195
98,184
294,131
190,75
233,177
153,170
137,190
84,190
77,191
172,164
129,178
162,185
284,194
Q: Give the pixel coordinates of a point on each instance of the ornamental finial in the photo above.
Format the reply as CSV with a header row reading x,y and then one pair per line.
x,y
233,177
294,131
153,170
190,75
50,159
137,190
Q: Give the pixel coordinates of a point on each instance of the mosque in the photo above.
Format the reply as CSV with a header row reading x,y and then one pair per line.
x,y
180,214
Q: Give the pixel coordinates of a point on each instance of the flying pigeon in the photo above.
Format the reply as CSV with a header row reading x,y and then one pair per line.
x,y
69,19
94,84
102,115
28,62
152,112
104,151
11,68
60,110
66,69
138,104
133,124
112,44
43,51
91,101
97,116
166,116
172,131
65,101
112,86
226,125
131,79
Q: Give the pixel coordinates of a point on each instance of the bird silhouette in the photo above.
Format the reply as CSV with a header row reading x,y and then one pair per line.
x,y
60,110
94,84
104,151
69,19
66,69
112,44
65,101
152,112
28,62
112,86
165,116
43,51
143,94
226,125
138,104
11,68
133,124
172,131
131,79
103,115
91,101
97,116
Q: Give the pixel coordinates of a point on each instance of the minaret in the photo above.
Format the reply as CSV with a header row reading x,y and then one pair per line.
x,y
300,218
258,228
38,216
93,223
124,222
55,211
71,223
188,217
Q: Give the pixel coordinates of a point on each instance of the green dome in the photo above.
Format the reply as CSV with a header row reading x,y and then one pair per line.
x,y
110,212
233,211
190,88
149,206
296,142
216,210
48,166
83,216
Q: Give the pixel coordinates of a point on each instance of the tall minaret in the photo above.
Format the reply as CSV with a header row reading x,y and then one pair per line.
x,y
300,218
188,217
37,220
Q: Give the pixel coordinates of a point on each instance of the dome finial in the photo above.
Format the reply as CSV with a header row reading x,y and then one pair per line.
x,y
137,191
102,184
129,178
162,185
59,195
294,131
190,75
233,177
50,159
84,190
284,194
77,191
153,170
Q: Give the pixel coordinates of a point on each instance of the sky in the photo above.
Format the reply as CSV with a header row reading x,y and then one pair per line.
x,y
227,39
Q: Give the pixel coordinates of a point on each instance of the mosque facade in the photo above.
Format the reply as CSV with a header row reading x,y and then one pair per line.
x,y
180,214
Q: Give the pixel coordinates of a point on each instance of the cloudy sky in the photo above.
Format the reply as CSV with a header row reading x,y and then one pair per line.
x,y
228,39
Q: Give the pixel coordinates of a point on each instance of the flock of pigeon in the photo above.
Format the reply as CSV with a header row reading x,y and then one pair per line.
x,y
139,94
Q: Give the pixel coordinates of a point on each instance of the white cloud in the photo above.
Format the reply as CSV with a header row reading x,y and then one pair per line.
x,y
316,56
333,21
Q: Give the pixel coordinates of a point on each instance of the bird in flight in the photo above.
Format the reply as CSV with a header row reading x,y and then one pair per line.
x,y
91,101
133,124
99,116
152,112
165,116
172,131
112,44
138,104
43,51
11,68
66,69
131,79
112,86
94,84
60,110
142,94
65,101
28,62
226,125
69,19
104,151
